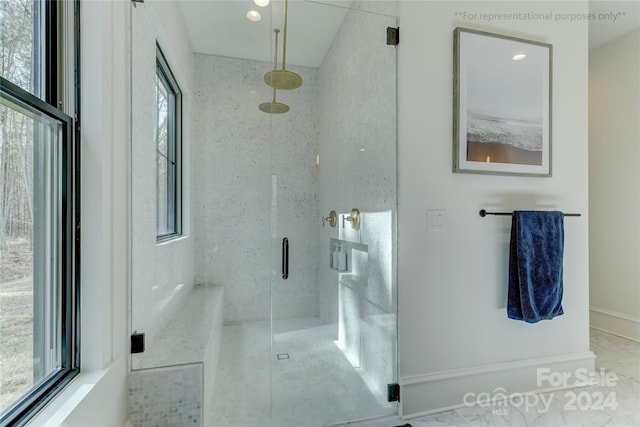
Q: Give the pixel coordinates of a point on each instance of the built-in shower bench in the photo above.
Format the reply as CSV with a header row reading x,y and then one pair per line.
x,y
177,372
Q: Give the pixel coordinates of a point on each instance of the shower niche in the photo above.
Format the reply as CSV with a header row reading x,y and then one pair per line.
x,y
273,351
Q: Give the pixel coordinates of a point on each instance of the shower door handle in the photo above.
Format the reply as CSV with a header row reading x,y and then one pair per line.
x,y
285,258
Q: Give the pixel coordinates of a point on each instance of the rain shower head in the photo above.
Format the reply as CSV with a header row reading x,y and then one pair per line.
x,y
273,107
283,79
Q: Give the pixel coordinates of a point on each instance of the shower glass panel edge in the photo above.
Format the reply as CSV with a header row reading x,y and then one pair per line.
x,y
334,327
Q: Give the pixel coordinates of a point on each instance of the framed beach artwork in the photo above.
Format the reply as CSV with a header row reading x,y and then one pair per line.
x,y
502,104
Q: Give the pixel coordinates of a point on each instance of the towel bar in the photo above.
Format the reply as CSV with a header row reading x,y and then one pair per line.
x,y
484,213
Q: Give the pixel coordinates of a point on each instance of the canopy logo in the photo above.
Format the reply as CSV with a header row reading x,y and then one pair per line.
x,y
577,398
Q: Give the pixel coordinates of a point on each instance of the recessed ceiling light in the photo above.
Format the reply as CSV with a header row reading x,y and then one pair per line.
x,y
261,3
254,15
518,56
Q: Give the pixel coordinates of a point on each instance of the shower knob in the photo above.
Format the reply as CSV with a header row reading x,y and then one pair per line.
x,y
354,219
332,219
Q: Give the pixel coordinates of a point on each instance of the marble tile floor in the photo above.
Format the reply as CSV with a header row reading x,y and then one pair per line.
x,y
253,385
618,355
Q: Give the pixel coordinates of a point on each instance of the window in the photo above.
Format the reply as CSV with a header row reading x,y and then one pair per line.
x,y
38,205
168,151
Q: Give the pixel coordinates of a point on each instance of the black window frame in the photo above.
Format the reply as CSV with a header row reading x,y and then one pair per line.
x,y
174,152
47,100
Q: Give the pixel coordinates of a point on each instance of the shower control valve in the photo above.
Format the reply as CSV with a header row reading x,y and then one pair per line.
x,y
332,219
354,219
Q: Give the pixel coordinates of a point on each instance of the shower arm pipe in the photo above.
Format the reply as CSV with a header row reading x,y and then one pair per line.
x,y
284,43
275,59
484,213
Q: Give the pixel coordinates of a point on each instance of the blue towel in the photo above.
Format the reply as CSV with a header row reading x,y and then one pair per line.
x,y
535,265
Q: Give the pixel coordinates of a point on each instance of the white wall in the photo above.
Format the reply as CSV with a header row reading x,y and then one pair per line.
x,y
614,185
162,274
237,150
453,282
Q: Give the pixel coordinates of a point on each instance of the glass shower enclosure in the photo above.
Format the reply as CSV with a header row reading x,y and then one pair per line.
x,y
333,348
292,213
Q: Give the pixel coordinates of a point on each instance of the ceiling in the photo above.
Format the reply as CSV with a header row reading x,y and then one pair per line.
x,y
221,28
611,20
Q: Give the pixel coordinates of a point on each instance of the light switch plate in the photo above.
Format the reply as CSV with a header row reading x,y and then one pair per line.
x,y
436,219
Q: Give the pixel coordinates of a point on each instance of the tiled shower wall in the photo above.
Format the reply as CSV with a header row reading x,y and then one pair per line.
x,y
247,164
357,129
171,396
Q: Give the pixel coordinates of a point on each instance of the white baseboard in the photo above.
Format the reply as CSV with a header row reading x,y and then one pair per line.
x,y
439,391
615,323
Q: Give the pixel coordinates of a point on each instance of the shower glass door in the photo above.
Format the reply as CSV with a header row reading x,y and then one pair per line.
x,y
308,342
333,283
